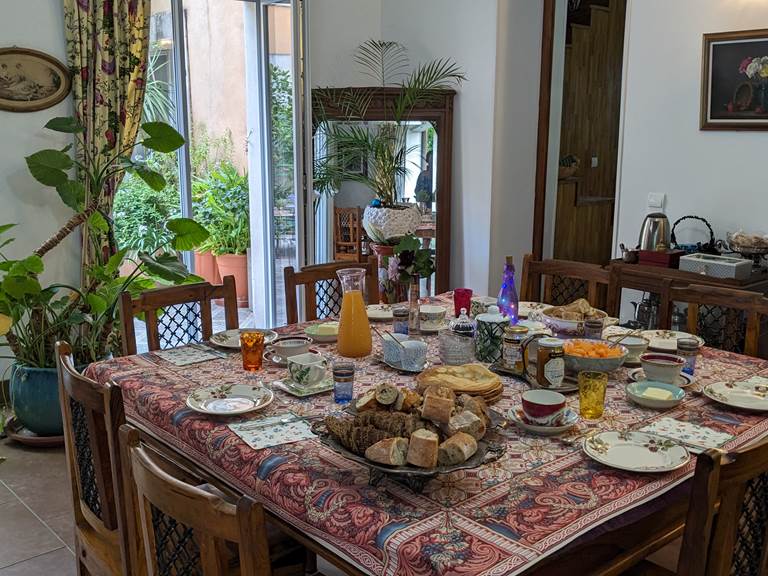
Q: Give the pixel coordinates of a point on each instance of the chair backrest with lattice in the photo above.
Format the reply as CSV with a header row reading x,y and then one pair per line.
x,y
564,282
322,289
726,531
347,233
177,315
726,318
92,414
186,529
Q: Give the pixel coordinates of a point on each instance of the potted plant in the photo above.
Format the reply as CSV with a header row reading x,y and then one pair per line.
x,y
33,317
225,211
383,148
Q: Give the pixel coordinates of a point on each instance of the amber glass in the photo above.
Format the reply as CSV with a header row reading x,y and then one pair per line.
x,y
252,344
592,386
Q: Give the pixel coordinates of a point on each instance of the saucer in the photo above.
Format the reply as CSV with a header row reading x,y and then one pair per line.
x,y
518,417
636,392
399,366
379,312
295,389
272,357
432,328
683,380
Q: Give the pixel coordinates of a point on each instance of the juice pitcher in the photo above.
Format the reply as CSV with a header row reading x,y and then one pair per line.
x,y
354,331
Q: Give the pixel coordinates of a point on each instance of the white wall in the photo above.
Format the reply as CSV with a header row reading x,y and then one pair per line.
x,y
37,24
717,175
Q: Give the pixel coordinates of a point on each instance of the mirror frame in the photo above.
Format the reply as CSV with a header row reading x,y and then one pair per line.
x,y
439,112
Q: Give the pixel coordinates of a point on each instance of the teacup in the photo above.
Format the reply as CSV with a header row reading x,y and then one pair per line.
x,y
291,346
636,345
413,356
662,367
391,349
544,407
479,305
431,315
307,369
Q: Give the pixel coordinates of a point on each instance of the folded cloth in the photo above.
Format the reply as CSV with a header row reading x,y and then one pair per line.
x,y
273,430
695,437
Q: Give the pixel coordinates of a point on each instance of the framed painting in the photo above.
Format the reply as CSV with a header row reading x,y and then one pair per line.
x,y
31,80
734,86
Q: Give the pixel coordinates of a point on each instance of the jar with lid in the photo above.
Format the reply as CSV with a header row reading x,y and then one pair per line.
x,y
400,320
593,329
457,342
550,363
490,334
512,349
688,348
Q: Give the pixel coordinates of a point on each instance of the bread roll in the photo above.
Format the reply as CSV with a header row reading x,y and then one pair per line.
x,y
366,402
440,392
392,452
457,449
437,409
478,407
386,394
422,449
410,400
394,423
467,422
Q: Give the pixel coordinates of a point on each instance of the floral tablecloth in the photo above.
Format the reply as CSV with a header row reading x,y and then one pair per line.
x,y
499,519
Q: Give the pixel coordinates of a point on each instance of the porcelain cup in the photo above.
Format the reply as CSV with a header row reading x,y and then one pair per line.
x,y
291,346
662,367
544,407
307,369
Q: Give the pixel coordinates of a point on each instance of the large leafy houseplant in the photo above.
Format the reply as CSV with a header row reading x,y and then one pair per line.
x,y
34,317
383,147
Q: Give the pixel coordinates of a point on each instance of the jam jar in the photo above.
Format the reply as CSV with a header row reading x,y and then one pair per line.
x,y
550,363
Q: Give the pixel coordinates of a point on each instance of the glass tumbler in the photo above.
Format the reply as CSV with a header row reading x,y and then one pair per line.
x,y
592,387
252,345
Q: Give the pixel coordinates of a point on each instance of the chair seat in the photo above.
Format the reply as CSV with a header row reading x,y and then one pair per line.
x,y
647,568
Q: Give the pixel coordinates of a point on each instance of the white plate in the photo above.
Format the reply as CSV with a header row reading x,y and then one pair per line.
x,y
749,394
636,451
432,328
322,338
379,312
669,335
683,380
399,367
518,417
524,309
615,331
231,338
229,399
295,389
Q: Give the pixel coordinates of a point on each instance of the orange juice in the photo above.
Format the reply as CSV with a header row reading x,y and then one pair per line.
x,y
354,331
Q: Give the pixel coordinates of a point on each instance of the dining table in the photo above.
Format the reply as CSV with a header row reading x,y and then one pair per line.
x,y
537,509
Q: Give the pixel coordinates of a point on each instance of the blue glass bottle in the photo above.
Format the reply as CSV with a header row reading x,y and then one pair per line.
x,y
508,301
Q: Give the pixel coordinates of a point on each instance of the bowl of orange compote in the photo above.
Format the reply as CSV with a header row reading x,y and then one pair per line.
x,y
593,355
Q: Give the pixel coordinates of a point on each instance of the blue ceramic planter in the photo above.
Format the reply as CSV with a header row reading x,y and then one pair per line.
x,y
35,399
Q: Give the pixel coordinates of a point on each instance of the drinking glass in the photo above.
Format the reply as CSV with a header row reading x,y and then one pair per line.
x,y
343,382
592,387
462,298
252,344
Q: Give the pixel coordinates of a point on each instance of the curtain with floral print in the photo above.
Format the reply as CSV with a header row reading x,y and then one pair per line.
x,y
107,50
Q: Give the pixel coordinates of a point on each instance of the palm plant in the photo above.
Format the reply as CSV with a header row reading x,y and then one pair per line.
x,y
384,148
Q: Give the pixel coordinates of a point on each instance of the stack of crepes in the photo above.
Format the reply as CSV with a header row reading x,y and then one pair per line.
x,y
472,379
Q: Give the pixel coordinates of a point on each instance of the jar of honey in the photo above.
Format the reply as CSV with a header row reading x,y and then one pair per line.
x,y
550,363
512,349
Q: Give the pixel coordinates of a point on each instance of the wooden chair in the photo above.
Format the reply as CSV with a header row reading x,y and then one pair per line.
x,y
322,289
564,281
190,530
726,318
726,530
624,278
92,414
347,234
184,314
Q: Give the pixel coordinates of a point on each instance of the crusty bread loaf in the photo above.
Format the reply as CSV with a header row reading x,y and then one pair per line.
x,y
467,422
367,401
478,407
392,452
394,423
437,409
355,438
407,400
456,450
440,392
386,394
423,448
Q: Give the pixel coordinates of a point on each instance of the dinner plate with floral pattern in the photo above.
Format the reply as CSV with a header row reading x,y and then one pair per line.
x,y
749,394
229,399
636,451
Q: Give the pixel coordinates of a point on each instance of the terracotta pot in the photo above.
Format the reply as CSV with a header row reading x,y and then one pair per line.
x,y
389,292
235,265
206,268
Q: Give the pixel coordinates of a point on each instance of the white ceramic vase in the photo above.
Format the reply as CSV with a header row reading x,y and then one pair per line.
x,y
383,224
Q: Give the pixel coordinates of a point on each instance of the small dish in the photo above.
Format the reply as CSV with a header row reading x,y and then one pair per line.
x,y
636,451
636,345
379,312
323,335
683,380
749,394
399,366
525,309
433,327
300,391
231,338
636,392
569,420
271,356
656,335
229,399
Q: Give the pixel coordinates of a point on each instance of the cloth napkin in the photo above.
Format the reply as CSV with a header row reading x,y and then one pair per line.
x,y
273,431
186,355
695,437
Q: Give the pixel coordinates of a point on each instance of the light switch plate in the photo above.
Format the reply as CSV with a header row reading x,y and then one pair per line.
x,y
656,200
595,162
